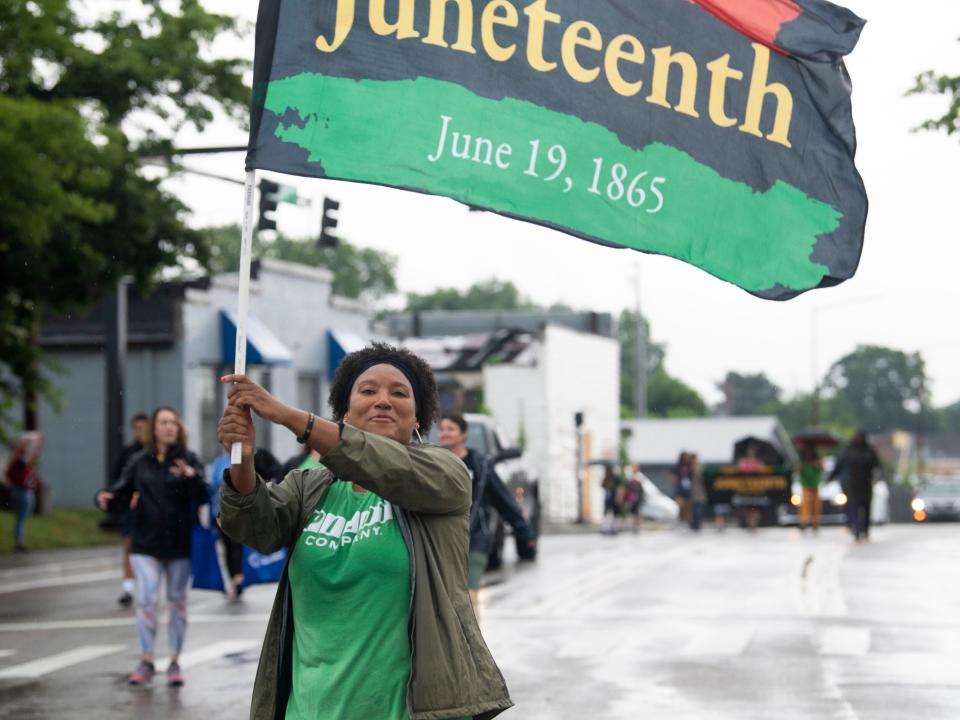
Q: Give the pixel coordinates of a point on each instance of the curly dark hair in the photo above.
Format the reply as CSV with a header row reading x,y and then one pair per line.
x,y
415,368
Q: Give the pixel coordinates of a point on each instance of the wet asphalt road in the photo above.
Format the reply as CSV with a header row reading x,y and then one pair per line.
x,y
662,625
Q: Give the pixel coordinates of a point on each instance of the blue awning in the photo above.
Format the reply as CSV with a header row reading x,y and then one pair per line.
x,y
263,347
339,345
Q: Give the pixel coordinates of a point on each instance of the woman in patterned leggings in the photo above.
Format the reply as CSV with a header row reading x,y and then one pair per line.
x,y
162,486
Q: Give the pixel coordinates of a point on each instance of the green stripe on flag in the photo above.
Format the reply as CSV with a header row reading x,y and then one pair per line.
x,y
524,160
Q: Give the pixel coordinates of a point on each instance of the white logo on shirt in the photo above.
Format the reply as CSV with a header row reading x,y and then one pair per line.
x,y
326,529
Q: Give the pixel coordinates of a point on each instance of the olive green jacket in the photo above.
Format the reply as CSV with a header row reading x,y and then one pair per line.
x,y
452,673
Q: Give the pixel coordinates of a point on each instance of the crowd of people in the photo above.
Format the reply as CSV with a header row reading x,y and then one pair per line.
x,y
855,468
623,497
355,526
391,532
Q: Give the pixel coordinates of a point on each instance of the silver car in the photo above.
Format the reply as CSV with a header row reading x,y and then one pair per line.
x,y
937,499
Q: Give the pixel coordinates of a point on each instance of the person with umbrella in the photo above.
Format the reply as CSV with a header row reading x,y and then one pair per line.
x,y
811,473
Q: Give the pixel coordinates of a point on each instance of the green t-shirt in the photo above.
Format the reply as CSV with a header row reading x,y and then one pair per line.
x,y
810,475
350,582
309,463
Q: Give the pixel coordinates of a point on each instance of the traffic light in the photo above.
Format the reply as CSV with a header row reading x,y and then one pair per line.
x,y
268,205
328,223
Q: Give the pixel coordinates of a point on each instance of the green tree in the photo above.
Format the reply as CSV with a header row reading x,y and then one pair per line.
x,y
362,273
76,214
935,83
746,394
884,389
490,294
796,414
669,397
951,417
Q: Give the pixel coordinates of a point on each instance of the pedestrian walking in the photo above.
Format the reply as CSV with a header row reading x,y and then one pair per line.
x,y
698,493
23,477
372,617
269,468
858,462
489,491
162,486
751,505
612,496
636,497
811,474
683,486
139,426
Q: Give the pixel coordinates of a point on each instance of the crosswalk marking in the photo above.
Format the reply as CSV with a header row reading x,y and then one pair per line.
x,y
845,641
46,665
210,652
59,581
202,619
719,641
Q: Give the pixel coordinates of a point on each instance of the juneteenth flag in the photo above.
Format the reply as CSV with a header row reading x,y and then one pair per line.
x,y
717,132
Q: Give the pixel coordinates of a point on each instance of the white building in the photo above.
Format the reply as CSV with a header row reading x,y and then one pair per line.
x,y
537,396
181,340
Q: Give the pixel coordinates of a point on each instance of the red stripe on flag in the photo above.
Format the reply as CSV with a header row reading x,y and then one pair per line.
x,y
759,20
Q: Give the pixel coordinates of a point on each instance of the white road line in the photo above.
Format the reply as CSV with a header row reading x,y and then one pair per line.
x,y
58,568
211,652
727,642
120,622
845,641
47,665
819,586
7,653
61,581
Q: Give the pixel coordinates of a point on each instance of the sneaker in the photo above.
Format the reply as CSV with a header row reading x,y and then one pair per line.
x,y
174,675
125,600
142,675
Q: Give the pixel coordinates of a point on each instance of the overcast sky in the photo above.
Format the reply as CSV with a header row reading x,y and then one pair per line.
x,y
905,294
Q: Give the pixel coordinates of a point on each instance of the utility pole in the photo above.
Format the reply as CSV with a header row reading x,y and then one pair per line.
x,y
116,369
921,429
578,426
640,379
814,371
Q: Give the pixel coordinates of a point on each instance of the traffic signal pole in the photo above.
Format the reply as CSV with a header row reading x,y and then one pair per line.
x,y
243,301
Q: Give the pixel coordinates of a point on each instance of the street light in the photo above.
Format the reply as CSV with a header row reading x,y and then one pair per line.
x,y
813,346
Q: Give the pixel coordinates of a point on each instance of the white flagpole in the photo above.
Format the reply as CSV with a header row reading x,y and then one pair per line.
x,y
243,301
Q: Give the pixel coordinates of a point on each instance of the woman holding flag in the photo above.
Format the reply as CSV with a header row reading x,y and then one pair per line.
x,y
372,618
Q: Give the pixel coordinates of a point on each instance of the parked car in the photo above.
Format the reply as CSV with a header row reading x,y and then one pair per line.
x,y
938,498
834,501
486,436
656,505
833,504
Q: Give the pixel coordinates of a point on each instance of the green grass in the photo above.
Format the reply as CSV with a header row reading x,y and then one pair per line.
x,y
58,528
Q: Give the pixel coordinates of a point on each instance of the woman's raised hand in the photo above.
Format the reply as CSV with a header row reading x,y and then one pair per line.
x,y
246,393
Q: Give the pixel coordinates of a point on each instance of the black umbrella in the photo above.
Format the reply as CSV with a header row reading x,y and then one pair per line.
x,y
766,452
